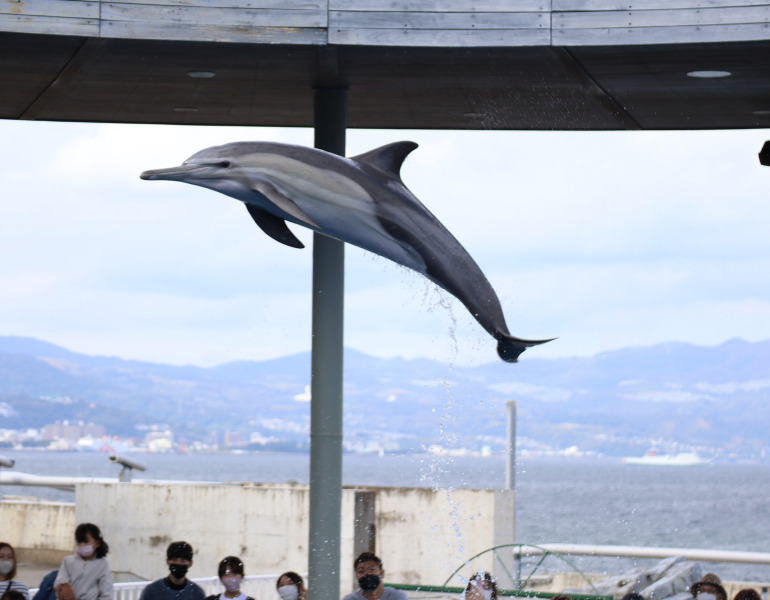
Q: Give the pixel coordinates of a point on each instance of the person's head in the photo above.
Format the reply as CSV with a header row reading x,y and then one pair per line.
x,y
89,542
747,594
290,586
179,557
13,595
369,572
7,562
231,565
481,586
708,588
231,573
630,596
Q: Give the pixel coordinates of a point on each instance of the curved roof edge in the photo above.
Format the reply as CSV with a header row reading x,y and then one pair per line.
x,y
495,64
400,23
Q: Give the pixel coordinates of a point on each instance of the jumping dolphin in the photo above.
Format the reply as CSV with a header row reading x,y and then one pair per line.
x,y
359,200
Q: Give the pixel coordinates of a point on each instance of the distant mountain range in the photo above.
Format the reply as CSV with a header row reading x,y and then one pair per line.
x,y
713,399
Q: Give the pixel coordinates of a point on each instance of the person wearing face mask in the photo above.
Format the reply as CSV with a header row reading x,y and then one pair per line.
x,y
176,586
708,588
369,574
231,575
291,587
85,575
8,571
747,594
481,586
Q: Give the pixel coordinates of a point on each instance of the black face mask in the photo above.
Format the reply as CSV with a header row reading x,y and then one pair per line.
x,y
369,582
178,571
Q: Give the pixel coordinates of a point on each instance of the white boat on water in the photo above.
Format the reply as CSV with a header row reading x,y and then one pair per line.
x,y
682,459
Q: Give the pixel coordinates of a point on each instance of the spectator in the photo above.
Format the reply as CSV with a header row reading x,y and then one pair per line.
x,y
369,573
13,595
8,566
45,590
291,587
481,586
85,575
708,588
747,594
176,586
231,575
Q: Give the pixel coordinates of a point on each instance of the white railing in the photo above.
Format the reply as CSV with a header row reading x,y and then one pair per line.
x,y
731,556
259,587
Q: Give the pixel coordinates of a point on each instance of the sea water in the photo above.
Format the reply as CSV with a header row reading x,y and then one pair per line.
x,y
579,501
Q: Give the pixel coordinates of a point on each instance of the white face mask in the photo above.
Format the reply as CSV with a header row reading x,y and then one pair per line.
x,y
6,566
232,583
85,551
288,592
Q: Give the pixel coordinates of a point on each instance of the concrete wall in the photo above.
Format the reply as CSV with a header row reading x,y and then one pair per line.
x,y
422,535
41,532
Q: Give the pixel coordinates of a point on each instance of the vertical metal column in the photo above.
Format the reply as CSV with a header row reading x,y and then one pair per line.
x,y
326,375
510,479
510,473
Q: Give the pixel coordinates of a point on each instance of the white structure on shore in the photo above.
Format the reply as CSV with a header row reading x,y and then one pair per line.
x,y
421,534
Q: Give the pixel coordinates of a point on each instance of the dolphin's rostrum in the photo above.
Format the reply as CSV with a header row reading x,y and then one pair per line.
x,y
361,201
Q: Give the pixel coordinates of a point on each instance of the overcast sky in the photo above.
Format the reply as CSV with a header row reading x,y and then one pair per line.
x,y
604,240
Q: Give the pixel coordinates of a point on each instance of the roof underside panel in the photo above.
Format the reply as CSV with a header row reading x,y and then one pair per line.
x,y
441,64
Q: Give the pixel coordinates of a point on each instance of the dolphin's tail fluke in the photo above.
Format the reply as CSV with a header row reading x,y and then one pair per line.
x,y
509,348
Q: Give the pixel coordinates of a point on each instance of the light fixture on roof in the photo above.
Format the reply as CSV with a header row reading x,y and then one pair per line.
x,y
185,109
201,74
709,74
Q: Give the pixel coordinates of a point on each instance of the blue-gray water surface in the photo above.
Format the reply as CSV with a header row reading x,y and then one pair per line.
x,y
581,501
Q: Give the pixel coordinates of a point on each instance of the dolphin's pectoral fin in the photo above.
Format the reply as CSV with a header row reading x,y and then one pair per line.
x,y
388,158
273,226
286,204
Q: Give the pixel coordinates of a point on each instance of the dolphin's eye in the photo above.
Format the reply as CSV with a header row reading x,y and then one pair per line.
x,y
219,164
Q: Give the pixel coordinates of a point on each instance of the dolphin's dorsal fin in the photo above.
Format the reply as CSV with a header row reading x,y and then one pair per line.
x,y
387,158
273,226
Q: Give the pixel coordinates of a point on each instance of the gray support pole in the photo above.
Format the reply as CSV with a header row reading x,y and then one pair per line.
x,y
510,474
326,375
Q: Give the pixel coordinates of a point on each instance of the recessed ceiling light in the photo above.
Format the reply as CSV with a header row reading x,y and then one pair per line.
x,y
184,109
201,74
761,113
708,74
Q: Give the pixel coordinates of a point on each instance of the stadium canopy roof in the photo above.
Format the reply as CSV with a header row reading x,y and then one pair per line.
x,y
491,64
